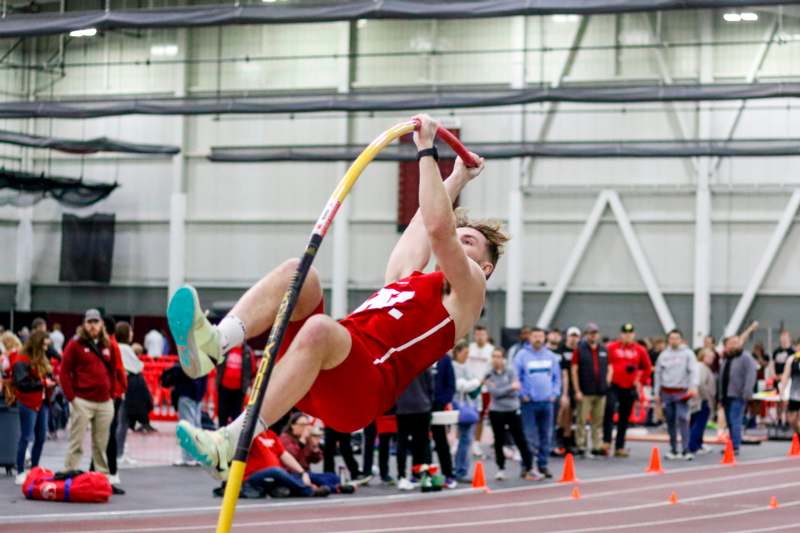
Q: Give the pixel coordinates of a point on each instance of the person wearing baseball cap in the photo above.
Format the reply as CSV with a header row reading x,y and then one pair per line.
x,y
591,375
631,370
566,404
87,375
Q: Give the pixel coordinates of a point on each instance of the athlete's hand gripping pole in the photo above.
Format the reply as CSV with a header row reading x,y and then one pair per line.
x,y
289,301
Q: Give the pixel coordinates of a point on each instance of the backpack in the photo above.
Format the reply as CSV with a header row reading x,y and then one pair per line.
x,y
71,486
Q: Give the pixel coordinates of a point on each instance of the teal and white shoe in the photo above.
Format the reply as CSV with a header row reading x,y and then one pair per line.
x,y
197,340
212,449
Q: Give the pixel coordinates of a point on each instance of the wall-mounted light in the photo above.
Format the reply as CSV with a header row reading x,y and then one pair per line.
x,y
86,32
746,16
565,18
164,50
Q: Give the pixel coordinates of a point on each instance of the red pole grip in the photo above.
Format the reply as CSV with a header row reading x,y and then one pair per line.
x,y
457,146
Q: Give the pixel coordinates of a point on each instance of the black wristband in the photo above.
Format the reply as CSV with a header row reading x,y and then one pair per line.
x,y
432,151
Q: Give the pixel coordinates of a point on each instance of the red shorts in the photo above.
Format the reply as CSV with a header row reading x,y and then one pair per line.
x,y
486,401
349,396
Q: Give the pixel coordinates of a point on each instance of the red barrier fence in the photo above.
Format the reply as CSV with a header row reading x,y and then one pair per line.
x,y
162,402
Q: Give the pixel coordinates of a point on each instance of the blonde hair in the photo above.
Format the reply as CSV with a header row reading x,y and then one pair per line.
x,y
491,229
10,341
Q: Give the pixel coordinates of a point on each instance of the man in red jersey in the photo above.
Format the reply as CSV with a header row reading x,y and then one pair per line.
x,y
632,368
349,372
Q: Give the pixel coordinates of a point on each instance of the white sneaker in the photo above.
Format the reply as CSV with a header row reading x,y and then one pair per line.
x,y
688,456
672,456
20,479
128,461
114,480
476,449
705,450
500,475
405,484
213,449
197,340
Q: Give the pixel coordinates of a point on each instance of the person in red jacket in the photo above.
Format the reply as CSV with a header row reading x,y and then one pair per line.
x,y
632,368
118,389
31,379
87,375
270,468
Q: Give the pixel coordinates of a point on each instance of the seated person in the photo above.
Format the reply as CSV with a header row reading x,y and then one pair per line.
x,y
302,440
271,469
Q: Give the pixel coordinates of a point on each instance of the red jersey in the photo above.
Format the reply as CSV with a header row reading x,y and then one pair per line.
x,y
406,328
232,376
629,362
396,334
265,452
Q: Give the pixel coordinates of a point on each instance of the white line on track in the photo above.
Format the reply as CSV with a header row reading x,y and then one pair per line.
x,y
683,520
784,527
472,508
371,500
539,518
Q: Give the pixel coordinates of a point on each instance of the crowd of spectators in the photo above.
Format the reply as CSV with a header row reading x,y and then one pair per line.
x,y
551,393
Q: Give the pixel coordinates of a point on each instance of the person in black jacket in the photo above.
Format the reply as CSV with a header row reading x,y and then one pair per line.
x,y
414,424
444,388
187,393
591,375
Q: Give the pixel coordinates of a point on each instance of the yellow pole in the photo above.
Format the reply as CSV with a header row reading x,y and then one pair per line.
x,y
236,474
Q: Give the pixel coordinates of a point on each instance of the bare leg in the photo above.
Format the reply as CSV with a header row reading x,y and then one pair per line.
x,y
321,344
259,305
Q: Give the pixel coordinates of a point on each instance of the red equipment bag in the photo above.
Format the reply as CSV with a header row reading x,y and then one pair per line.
x,y
88,487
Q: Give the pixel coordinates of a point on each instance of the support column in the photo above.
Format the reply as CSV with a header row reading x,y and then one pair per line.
x,y
701,325
24,258
177,203
516,226
341,226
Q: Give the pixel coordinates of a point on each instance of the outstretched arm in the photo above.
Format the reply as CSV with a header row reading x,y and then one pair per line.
x,y
413,250
438,217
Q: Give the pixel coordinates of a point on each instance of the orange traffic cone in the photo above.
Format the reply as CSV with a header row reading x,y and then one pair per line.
x,y
794,451
728,458
576,493
655,462
773,503
568,475
479,477
673,498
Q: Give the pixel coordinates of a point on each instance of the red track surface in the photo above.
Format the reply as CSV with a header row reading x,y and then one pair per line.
x,y
715,499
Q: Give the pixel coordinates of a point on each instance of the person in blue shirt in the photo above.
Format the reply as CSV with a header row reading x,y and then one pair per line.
x,y
539,374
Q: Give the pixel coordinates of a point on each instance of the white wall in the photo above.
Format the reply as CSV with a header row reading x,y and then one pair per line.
x,y
242,219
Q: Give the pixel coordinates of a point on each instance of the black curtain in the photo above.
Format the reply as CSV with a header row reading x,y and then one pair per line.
x,y
87,248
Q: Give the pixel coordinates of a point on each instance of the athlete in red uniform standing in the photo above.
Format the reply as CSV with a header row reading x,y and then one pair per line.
x,y
349,372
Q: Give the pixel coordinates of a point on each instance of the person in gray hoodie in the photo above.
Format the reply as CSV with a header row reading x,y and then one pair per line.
x,y
677,377
503,386
413,411
736,383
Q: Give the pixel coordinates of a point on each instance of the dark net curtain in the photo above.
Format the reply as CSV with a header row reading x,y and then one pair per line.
x,y
23,189
87,248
